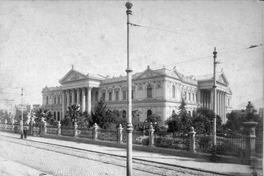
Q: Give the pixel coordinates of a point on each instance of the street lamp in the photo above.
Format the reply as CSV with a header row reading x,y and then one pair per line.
x,y
129,99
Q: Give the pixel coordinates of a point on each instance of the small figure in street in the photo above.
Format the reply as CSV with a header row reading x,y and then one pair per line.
x,y
25,129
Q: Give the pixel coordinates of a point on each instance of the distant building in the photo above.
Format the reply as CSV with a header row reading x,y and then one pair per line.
x,y
35,107
153,92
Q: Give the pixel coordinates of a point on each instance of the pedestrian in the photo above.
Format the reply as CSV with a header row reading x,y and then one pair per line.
x,y
25,129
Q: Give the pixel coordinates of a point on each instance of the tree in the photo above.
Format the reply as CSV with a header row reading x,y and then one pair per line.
x,y
173,124
84,120
185,119
19,118
180,122
44,114
203,121
4,115
136,120
102,115
74,113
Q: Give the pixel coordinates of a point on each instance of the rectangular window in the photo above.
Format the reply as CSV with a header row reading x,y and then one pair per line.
x,y
124,95
132,94
189,96
104,96
110,96
193,96
185,95
117,95
54,101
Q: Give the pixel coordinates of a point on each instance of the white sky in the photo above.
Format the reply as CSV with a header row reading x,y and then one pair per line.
x,y
40,40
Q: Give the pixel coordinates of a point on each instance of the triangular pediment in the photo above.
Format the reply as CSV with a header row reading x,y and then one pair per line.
x,y
148,74
222,79
73,75
174,74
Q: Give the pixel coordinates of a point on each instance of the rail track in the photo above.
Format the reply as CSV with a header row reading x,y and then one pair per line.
x,y
152,167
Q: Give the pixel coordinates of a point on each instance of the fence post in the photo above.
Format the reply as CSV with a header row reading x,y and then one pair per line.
x,y
250,126
13,125
45,127
59,128
5,124
192,139
95,134
151,135
75,130
119,134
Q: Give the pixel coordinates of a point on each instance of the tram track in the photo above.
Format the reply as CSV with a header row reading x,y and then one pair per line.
x,y
152,167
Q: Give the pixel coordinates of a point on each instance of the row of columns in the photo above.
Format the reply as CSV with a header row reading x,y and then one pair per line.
x,y
81,99
221,104
205,97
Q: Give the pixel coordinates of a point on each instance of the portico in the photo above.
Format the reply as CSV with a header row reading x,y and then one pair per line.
x,y
77,89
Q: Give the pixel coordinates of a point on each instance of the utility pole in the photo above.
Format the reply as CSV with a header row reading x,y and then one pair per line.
x,y
129,99
214,109
21,125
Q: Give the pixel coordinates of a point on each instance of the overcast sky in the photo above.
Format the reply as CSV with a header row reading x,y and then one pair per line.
x,y
40,40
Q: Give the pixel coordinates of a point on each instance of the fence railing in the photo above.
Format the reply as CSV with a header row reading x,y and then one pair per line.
x,y
234,146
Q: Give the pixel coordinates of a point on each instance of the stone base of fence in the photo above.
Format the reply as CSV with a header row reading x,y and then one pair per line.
x,y
221,159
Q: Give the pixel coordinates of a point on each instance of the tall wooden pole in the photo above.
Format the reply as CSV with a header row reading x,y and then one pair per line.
x,y
21,125
214,108
129,99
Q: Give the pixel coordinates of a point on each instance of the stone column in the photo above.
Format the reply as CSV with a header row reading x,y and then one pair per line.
x,y
62,105
192,140
83,99
73,96
151,135
89,103
224,107
78,96
154,90
211,98
198,96
68,98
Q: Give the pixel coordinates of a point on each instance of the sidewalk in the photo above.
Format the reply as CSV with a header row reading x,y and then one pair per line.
x,y
11,168
199,164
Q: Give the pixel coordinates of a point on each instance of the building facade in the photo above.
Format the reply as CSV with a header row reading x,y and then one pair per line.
x,y
153,92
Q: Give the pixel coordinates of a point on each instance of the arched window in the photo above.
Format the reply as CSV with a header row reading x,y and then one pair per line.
x,y
173,112
124,114
149,91
173,91
58,115
47,100
149,113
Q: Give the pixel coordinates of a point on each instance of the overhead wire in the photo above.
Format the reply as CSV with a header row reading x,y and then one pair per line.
x,y
191,60
178,31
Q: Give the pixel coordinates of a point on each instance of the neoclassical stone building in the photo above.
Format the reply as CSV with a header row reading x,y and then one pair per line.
x,y
153,92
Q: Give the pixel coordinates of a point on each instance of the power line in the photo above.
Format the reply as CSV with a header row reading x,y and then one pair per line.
x,y
200,58
177,31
